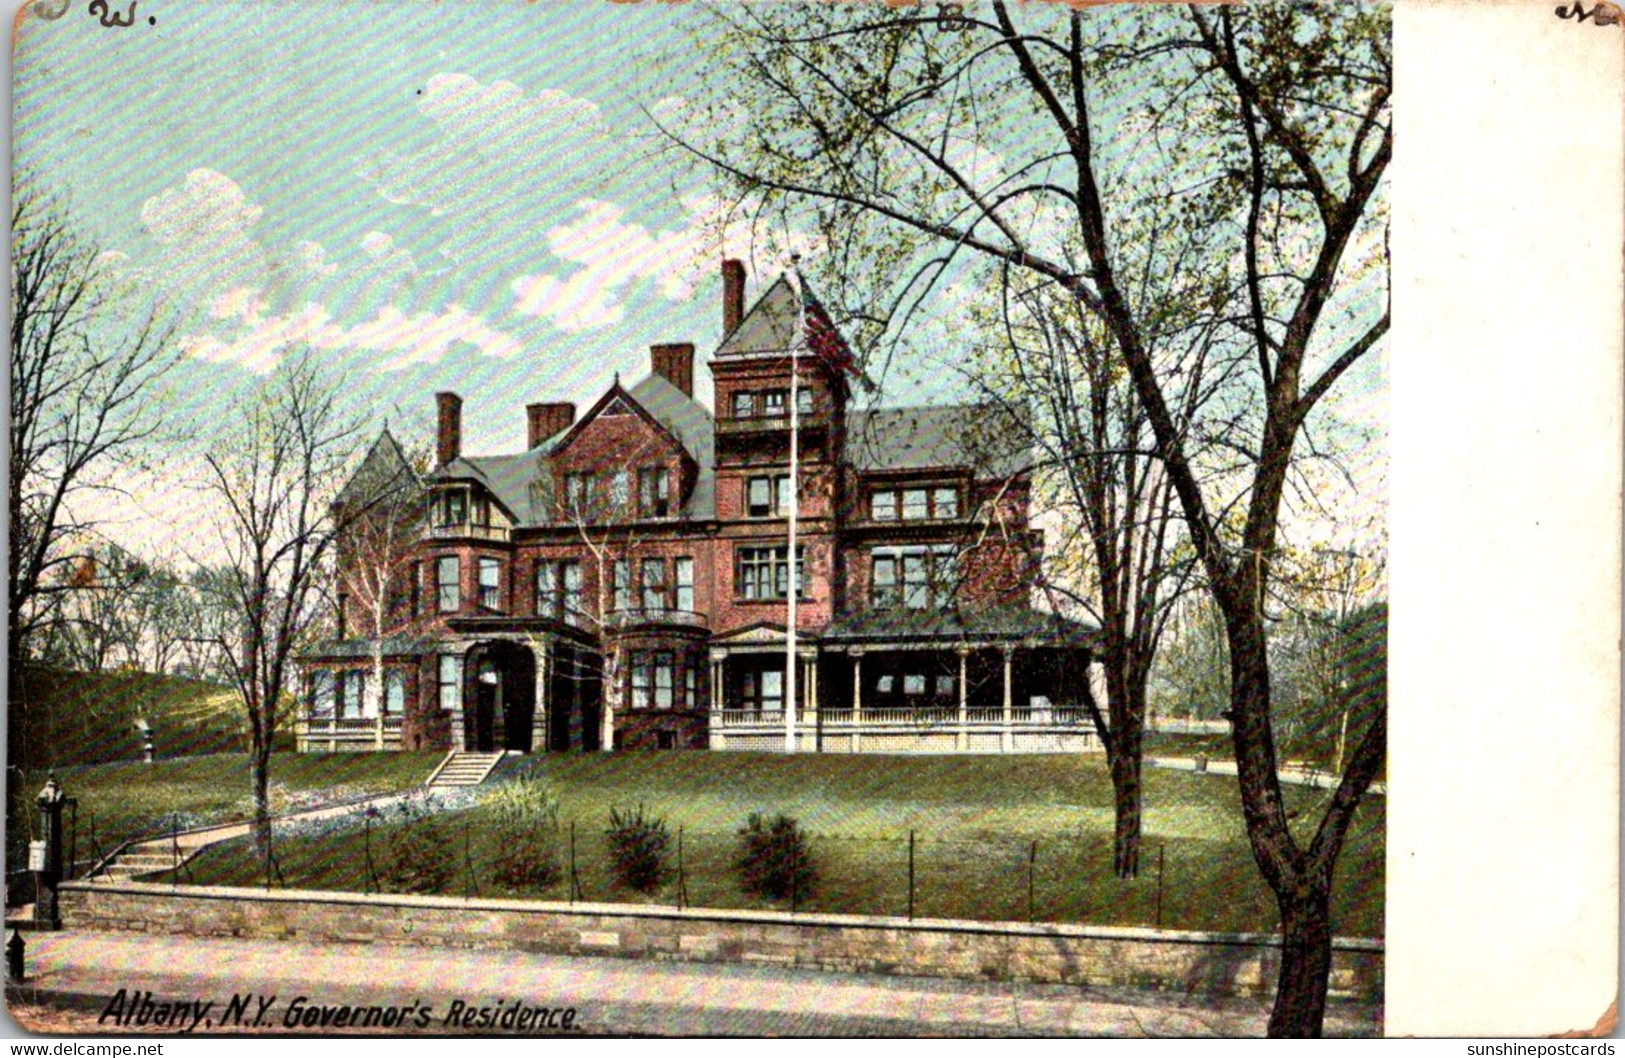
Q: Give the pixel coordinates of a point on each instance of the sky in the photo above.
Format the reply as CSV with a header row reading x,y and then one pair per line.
x,y
463,196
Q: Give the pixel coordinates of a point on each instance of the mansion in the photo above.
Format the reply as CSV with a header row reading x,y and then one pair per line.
x,y
625,581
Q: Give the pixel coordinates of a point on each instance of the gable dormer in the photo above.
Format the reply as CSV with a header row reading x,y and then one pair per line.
x,y
622,463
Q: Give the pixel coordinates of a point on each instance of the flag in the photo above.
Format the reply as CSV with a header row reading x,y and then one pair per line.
x,y
824,340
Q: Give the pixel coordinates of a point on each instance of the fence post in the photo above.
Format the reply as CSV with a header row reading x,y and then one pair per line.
x,y
911,875
1159,884
1032,865
682,881
575,880
366,848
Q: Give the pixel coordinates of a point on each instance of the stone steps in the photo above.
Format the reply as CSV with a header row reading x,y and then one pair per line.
x,y
461,769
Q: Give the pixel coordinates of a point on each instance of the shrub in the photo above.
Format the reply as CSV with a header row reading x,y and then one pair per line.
x,y
418,854
637,846
775,859
525,827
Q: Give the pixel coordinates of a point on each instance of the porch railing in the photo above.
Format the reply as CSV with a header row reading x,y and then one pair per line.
x,y
347,732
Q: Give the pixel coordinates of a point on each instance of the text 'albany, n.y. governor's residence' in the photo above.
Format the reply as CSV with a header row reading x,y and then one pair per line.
x,y
625,580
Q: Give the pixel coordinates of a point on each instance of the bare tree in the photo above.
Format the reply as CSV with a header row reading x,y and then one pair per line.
x,y
914,139
381,511
274,478
85,394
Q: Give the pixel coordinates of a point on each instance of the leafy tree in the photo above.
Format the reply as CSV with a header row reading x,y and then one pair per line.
x,y
1045,145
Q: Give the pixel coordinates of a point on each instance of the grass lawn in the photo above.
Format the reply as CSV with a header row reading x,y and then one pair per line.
x,y
57,717
975,820
128,799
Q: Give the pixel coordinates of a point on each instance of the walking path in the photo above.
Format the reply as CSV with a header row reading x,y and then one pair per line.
x,y
1295,776
86,970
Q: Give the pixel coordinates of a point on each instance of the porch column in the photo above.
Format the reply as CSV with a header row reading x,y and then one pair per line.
x,y
542,705
962,742
857,700
809,715
1007,739
718,739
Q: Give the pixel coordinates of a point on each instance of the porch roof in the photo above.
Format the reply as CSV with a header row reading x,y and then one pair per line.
x,y
1013,624
393,647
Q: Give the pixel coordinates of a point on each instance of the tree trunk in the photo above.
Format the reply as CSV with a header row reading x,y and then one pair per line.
x,y
259,777
1125,768
1306,963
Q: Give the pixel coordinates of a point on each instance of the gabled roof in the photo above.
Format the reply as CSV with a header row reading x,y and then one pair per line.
x,y
508,478
384,467
771,325
687,419
987,438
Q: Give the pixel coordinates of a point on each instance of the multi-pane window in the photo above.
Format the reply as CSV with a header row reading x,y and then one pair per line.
x,y
764,573
490,583
620,490
321,693
653,676
767,496
916,578
352,693
744,405
574,604
482,510
454,507
578,489
691,685
448,573
394,692
654,492
803,401
450,681
622,584
684,568
939,502
774,404
654,584
762,691
558,589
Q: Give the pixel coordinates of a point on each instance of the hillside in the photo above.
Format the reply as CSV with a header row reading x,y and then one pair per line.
x,y
56,717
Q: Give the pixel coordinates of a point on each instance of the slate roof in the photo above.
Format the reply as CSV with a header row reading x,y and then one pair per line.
x,y
384,467
770,325
995,623
986,437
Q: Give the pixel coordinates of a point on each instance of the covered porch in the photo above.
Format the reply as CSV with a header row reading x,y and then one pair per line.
x,y
1006,681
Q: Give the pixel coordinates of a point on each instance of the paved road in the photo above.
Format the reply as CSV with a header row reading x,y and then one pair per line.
x,y
613,996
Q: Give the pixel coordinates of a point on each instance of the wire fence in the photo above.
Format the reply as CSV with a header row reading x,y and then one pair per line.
x,y
1189,885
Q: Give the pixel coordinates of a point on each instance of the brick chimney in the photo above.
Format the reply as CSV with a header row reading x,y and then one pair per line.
x,y
733,295
449,437
545,420
674,362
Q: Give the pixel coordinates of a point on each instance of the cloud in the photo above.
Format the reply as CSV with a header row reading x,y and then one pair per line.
x,y
204,227
262,341
613,252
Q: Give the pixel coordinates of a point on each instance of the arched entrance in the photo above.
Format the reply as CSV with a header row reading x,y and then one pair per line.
x,y
500,689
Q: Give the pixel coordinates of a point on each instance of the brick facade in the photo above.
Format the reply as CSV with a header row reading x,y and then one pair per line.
x,y
638,552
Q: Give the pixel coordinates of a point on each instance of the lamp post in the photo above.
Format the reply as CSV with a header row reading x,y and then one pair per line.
x,y
145,728
45,856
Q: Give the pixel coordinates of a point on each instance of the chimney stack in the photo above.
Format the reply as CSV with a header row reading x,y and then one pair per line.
x,y
733,295
546,420
674,362
449,437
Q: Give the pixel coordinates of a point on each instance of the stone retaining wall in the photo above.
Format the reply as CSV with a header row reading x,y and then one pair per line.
x,y
1232,964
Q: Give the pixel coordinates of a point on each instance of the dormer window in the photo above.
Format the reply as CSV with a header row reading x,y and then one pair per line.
x,y
654,492
454,507
914,505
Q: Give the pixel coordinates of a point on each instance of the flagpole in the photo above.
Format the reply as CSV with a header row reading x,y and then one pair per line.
x,y
795,504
